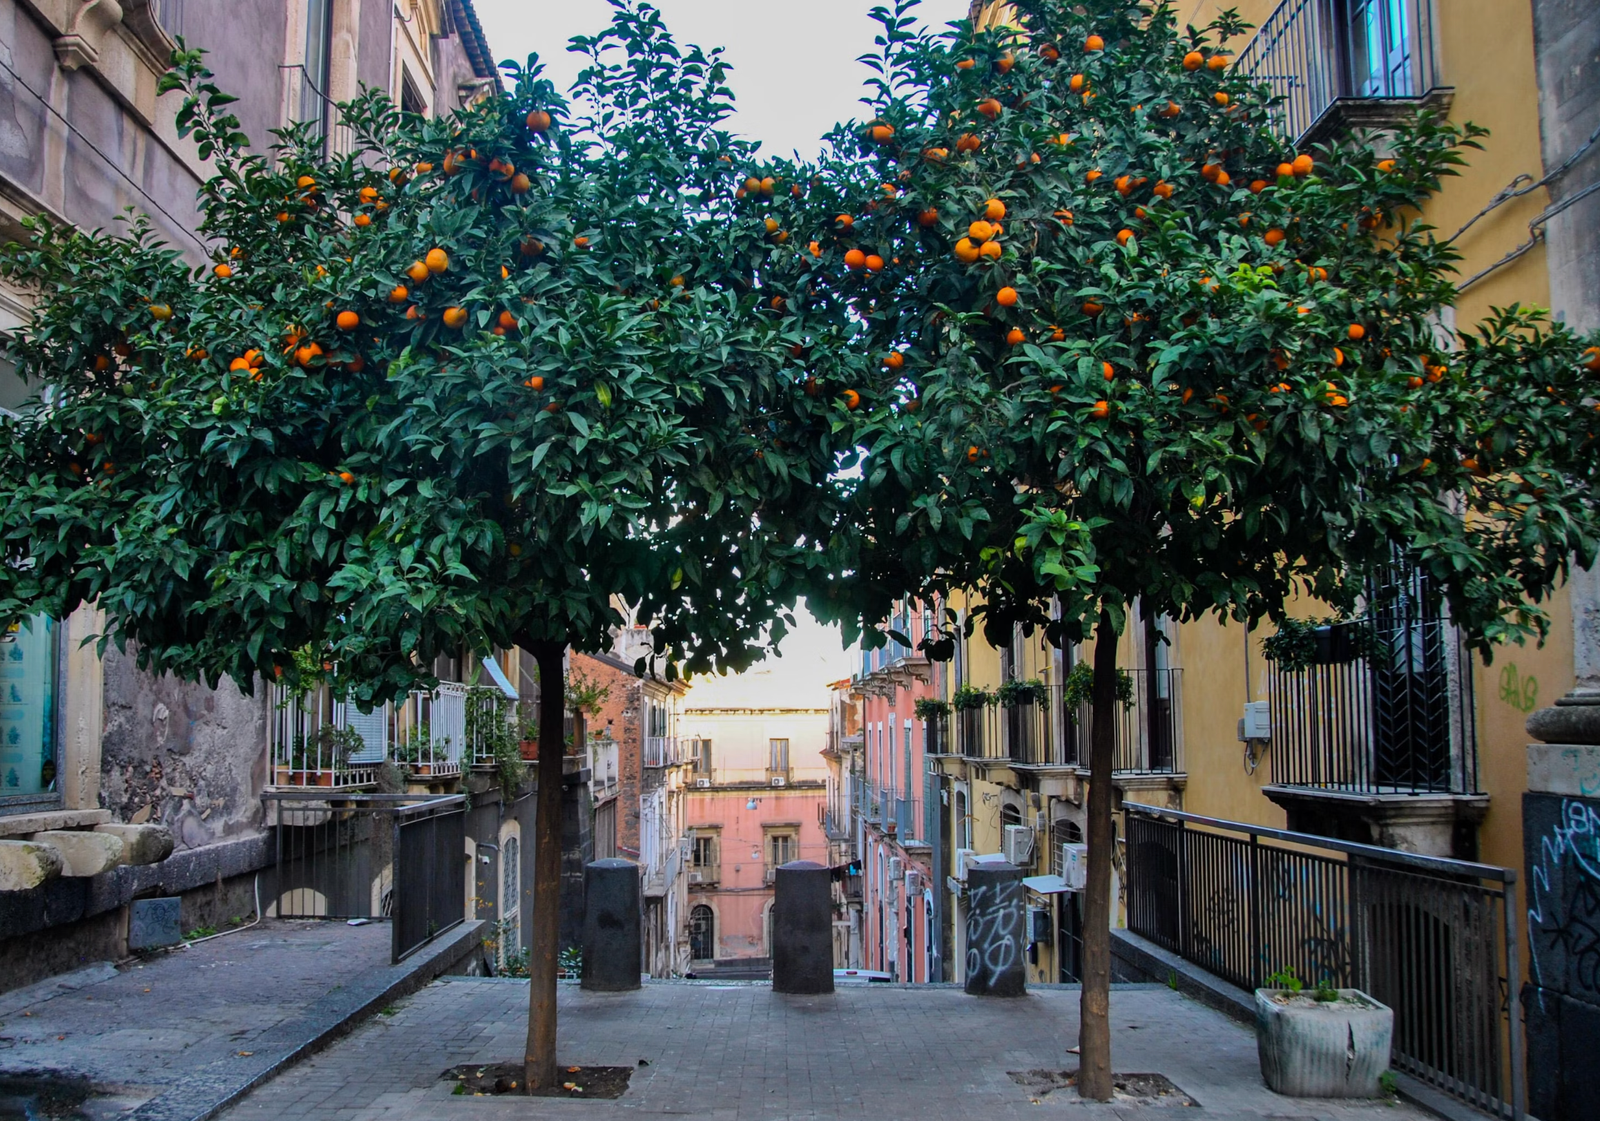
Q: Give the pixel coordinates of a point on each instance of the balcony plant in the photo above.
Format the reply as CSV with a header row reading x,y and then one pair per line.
x,y
930,709
1021,694
320,758
971,698
1300,644
1325,1042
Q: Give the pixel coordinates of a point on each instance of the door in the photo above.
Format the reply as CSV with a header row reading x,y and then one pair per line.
x,y
702,933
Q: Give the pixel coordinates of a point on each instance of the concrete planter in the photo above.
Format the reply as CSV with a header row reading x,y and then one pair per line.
x,y
1315,1049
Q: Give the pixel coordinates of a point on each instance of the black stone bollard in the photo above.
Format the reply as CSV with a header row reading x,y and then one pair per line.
x,y
612,945
802,929
995,942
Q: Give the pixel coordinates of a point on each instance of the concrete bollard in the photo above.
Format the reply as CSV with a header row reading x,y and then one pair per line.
x,y
802,929
613,948
995,943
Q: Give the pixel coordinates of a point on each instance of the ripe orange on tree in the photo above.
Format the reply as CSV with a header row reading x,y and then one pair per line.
x,y
436,261
347,320
1006,297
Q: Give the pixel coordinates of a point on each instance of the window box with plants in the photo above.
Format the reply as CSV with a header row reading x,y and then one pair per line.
x,y
1021,694
320,759
1324,1042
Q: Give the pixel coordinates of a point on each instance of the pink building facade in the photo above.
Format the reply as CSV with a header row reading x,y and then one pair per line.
x,y
898,919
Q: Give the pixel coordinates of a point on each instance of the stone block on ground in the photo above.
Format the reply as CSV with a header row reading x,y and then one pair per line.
x,y
996,943
154,923
141,844
83,852
802,929
25,865
613,946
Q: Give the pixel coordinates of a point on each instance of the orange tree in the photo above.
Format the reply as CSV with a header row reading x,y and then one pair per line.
x,y
1144,351
467,381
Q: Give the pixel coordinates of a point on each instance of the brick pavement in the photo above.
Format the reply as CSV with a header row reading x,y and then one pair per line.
x,y
739,1052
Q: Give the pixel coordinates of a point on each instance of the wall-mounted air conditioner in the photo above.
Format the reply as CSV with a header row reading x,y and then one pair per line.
x,y
697,877
1075,865
779,780
702,783
897,868
963,861
1018,845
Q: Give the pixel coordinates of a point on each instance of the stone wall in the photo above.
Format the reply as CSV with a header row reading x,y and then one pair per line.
x,y
182,755
1567,54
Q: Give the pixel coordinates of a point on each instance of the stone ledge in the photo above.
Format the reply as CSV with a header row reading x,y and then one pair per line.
x,y
16,825
59,901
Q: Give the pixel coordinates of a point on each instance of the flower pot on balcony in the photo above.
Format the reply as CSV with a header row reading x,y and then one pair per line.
x,y
530,750
283,776
1312,1048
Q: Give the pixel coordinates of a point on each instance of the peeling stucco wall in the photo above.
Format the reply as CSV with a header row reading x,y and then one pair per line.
x,y
191,758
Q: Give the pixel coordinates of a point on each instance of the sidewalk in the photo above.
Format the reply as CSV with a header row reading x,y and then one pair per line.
x,y
183,1034
739,1052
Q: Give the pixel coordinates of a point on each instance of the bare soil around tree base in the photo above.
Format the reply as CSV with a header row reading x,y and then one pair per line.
x,y
479,1080
1128,1089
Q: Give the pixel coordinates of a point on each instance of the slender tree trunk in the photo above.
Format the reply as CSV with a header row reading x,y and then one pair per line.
x,y
1094,1005
540,1068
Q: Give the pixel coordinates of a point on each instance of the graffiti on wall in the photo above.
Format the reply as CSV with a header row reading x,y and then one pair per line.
x,y
1564,895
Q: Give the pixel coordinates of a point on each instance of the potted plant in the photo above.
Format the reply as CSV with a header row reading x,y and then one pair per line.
x,y
1323,1043
1021,694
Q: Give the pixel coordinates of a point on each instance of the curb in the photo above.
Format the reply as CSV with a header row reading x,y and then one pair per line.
x,y
1139,955
218,1085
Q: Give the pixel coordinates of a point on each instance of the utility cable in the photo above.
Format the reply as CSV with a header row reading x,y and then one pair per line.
x,y
1536,234
90,144
1514,189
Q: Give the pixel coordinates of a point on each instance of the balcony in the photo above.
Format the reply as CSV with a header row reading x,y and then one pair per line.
x,y
704,875
779,776
1341,64
662,751
1038,732
314,739
603,768
492,725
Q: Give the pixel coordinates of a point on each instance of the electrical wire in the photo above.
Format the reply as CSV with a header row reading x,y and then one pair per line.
x,y
1514,189
237,929
1536,234
95,149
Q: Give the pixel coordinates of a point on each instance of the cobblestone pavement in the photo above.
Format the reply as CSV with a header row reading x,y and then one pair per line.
x,y
148,1025
739,1052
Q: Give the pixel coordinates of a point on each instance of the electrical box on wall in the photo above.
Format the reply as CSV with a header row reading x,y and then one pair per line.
x,y
1256,723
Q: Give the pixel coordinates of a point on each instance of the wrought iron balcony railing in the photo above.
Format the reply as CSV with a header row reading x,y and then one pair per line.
x,y
1319,54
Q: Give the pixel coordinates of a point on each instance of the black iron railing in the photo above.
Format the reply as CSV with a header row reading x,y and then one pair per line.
x,y
372,856
1148,732
1434,939
1398,720
1313,53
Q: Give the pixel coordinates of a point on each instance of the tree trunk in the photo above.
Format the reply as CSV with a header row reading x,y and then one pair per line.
x,y
540,1068
1094,1004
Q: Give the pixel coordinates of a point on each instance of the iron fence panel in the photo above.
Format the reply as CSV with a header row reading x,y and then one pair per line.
x,y
1431,938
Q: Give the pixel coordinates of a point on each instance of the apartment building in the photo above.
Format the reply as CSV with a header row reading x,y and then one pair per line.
x,y
177,771
756,801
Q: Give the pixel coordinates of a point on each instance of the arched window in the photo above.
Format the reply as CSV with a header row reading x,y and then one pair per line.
x,y
963,822
1062,832
702,933
510,899
1010,814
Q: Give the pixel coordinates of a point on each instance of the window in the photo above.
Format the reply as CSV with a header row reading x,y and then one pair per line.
x,y
314,75
963,822
14,392
700,756
27,715
702,933
510,899
778,759
411,100
783,846
705,850
1009,815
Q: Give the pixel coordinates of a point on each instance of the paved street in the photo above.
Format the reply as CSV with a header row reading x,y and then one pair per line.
x,y
739,1052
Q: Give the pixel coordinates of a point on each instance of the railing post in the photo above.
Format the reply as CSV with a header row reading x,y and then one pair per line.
x,y
1257,967
1185,935
1519,1090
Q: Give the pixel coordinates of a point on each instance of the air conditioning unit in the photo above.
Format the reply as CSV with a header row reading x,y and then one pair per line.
x,y
1256,723
697,877
702,783
779,780
963,862
1019,845
913,882
1075,865
897,868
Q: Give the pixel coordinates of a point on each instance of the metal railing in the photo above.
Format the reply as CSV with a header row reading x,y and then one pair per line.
x,y
1400,722
400,857
1434,939
1148,731
936,737
702,875
661,751
491,718
428,730
315,739
1313,53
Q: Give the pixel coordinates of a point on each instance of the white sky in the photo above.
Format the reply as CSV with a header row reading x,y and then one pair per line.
x,y
810,659
794,69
